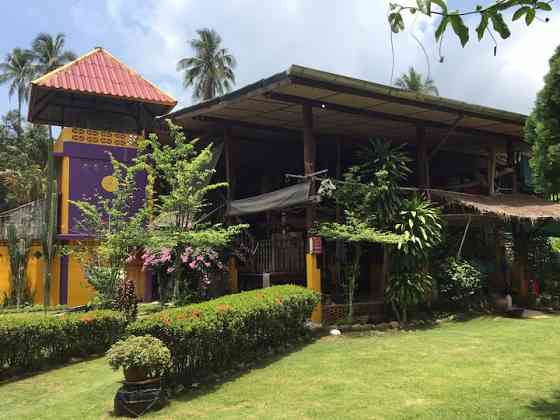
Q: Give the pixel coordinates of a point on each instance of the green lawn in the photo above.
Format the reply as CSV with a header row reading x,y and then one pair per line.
x,y
489,368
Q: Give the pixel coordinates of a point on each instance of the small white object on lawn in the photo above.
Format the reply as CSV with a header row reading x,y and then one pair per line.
x,y
335,332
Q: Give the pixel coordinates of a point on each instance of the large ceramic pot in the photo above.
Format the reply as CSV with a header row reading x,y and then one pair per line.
x,y
135,374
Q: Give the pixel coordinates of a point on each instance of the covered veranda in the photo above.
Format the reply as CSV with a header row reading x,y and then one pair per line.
x,y
302,124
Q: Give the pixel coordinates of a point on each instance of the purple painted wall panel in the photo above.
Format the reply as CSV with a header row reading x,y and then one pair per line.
x,y
89,164
97,151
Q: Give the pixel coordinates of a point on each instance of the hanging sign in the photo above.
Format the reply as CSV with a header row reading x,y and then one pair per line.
x,y
315,245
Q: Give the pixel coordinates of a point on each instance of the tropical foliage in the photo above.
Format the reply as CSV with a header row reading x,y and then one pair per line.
x,y
184,240
493,13
23,156
49,52
415,82
542,130
18,70
210,71
377,211
116,228
19,250
458,280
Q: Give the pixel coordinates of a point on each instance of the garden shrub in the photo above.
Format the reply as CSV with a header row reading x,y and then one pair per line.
x,y
31,341
215,336
460,280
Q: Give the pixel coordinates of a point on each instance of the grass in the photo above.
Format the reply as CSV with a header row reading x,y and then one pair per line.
x,y
486,368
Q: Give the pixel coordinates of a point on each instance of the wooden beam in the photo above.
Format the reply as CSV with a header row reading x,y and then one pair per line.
x,y
511,164
231,158
380,116
251,126
492,170
422,157
442,142
336,87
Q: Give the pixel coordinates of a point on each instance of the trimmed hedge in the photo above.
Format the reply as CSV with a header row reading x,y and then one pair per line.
x,y
215,336
30,341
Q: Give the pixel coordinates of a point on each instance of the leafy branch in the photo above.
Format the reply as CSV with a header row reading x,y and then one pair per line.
x,y
492,13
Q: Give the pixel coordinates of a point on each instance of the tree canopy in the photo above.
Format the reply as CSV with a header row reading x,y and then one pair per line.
x,y
210,70
542,130
416,82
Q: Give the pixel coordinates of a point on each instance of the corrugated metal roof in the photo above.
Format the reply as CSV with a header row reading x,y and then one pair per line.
x,y
99,73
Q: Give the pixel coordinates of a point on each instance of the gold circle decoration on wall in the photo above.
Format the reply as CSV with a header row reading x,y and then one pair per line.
x,y
109,183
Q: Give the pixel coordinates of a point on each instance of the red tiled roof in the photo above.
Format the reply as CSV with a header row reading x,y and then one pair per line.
x,y
99,73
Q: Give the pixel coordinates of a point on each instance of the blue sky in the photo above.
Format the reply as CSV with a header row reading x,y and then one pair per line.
x,y
343,36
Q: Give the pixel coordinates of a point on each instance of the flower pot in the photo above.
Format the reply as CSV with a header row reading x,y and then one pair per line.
x,y
135,374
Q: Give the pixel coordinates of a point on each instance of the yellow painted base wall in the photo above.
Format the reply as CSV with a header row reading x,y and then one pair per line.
x,y
35,273
80,291
314,282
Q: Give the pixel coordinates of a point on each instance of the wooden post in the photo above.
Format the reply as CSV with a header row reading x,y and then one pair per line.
x,y
339,244
499,281
313,272
309,155
422,158
309,144
231,157
521,263
511,164
491,169
233,275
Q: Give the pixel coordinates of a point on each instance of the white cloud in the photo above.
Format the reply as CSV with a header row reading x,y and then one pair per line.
x,y
348,37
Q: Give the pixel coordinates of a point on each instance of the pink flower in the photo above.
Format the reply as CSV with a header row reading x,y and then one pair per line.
x,y
165,255
207,264
170,269
193,264
200,258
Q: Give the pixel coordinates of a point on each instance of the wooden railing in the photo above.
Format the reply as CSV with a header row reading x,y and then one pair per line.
x,y
280,253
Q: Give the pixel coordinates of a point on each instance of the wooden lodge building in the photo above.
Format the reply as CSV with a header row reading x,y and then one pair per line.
x,y
279,136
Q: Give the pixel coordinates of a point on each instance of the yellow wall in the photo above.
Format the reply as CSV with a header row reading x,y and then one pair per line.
x,y
135,273
80,291
35,273
65,194
314,282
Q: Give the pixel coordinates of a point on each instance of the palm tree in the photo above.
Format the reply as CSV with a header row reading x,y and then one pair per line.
x,y
18,70
49,52
210,70
415,82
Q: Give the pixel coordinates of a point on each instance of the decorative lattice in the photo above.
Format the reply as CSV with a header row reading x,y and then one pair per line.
x,y
108,138
373,310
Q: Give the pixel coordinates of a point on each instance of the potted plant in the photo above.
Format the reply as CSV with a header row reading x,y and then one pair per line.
x,y
142,358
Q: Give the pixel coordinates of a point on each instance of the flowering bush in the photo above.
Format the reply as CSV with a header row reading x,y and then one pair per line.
x,y
144,352
190,268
